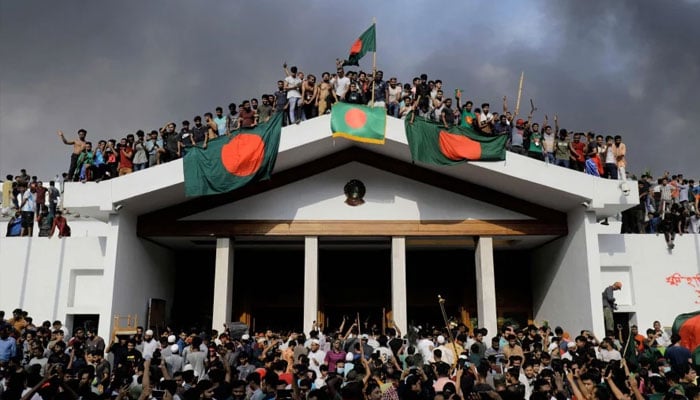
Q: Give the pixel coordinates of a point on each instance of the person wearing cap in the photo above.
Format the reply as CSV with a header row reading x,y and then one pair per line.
x,y
166,343
173,361
448,355
316,356
149,344
609,306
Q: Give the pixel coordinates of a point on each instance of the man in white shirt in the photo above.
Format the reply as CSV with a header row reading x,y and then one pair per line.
x,y
662,338
607,352
316,356
27,204
149,345
341,83
292,84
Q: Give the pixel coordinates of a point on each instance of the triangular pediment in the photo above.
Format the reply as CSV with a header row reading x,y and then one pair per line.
x,y
401,198
388,197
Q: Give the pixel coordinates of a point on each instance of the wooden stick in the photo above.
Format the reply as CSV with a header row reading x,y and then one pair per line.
x,y
359,336
441,301
520,92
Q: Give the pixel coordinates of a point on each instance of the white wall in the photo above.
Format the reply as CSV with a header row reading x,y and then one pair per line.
x,y
51,278
388,197
565,276
646,269
142,270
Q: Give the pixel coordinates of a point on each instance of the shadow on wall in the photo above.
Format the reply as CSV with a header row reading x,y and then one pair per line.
x,y
611,243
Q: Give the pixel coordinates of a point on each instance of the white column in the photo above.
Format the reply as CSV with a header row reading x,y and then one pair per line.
x,y
398,283
223,283
310,282
486,286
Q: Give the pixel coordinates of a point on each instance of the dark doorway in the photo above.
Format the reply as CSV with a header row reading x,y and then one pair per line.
x,y
268,287
445,272
354,280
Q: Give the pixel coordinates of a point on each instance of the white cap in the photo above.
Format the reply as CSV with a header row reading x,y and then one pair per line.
x,y
552,347
365,336
571,345
148,333
245,336
174,348
171,339
441,339
315,341
349,357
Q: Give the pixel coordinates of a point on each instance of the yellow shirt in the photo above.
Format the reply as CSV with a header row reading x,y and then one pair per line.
x,y
7,194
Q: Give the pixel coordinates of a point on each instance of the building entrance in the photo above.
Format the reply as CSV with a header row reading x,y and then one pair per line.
x,y
353,280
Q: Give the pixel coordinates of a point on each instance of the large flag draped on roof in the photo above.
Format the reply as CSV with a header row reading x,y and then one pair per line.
x,y
366,42
432,143
229,163
359,123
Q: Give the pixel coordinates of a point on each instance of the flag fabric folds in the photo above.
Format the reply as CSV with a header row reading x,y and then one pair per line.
x,y
366,42
432,143
688,326
359,123
229,163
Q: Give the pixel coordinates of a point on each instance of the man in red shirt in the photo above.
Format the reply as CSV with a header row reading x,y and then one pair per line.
x,y
578,151
126,153
246,115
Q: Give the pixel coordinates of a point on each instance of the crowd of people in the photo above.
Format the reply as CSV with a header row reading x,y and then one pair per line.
x,y
670,207
300,97
30,203
353,362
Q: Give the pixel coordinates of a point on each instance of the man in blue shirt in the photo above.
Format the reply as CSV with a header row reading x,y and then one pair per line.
x,y
677,355
8,345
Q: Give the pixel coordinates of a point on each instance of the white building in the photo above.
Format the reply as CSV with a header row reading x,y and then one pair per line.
x,y
518,239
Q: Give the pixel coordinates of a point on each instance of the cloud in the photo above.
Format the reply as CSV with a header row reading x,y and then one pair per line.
x,y
626,67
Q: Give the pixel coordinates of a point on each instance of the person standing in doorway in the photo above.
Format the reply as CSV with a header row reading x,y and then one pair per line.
x,y
609,306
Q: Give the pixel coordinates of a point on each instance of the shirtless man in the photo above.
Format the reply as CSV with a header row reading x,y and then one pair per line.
x,y
78,146
325,89
309,95
213,131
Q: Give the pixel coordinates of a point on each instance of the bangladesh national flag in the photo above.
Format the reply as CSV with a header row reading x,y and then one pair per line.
x,y
688,326
432,143
359,123
229,163
366,42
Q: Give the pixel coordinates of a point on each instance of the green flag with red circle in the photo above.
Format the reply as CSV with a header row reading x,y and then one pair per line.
x,y
366,42
230,162
688,327
433,143
359,123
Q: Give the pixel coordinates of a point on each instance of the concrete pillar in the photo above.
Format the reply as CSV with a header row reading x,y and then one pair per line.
x,y
310,282
398,283
486,286
223,283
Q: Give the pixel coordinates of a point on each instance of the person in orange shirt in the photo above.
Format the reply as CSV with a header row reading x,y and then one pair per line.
x,y
17,321
637,337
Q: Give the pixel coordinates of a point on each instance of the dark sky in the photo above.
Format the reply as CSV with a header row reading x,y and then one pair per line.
x,y
628,67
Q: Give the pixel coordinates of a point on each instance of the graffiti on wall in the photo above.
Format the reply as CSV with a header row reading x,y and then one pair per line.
x,y
691,280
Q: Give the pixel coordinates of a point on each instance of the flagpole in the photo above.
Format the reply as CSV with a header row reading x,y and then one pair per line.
x,y
374,61
520,92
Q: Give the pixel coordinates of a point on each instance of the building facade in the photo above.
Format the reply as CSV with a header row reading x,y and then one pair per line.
x,y
515,240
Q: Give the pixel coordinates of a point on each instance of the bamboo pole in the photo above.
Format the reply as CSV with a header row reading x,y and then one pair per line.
x,y
374,62
520,92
